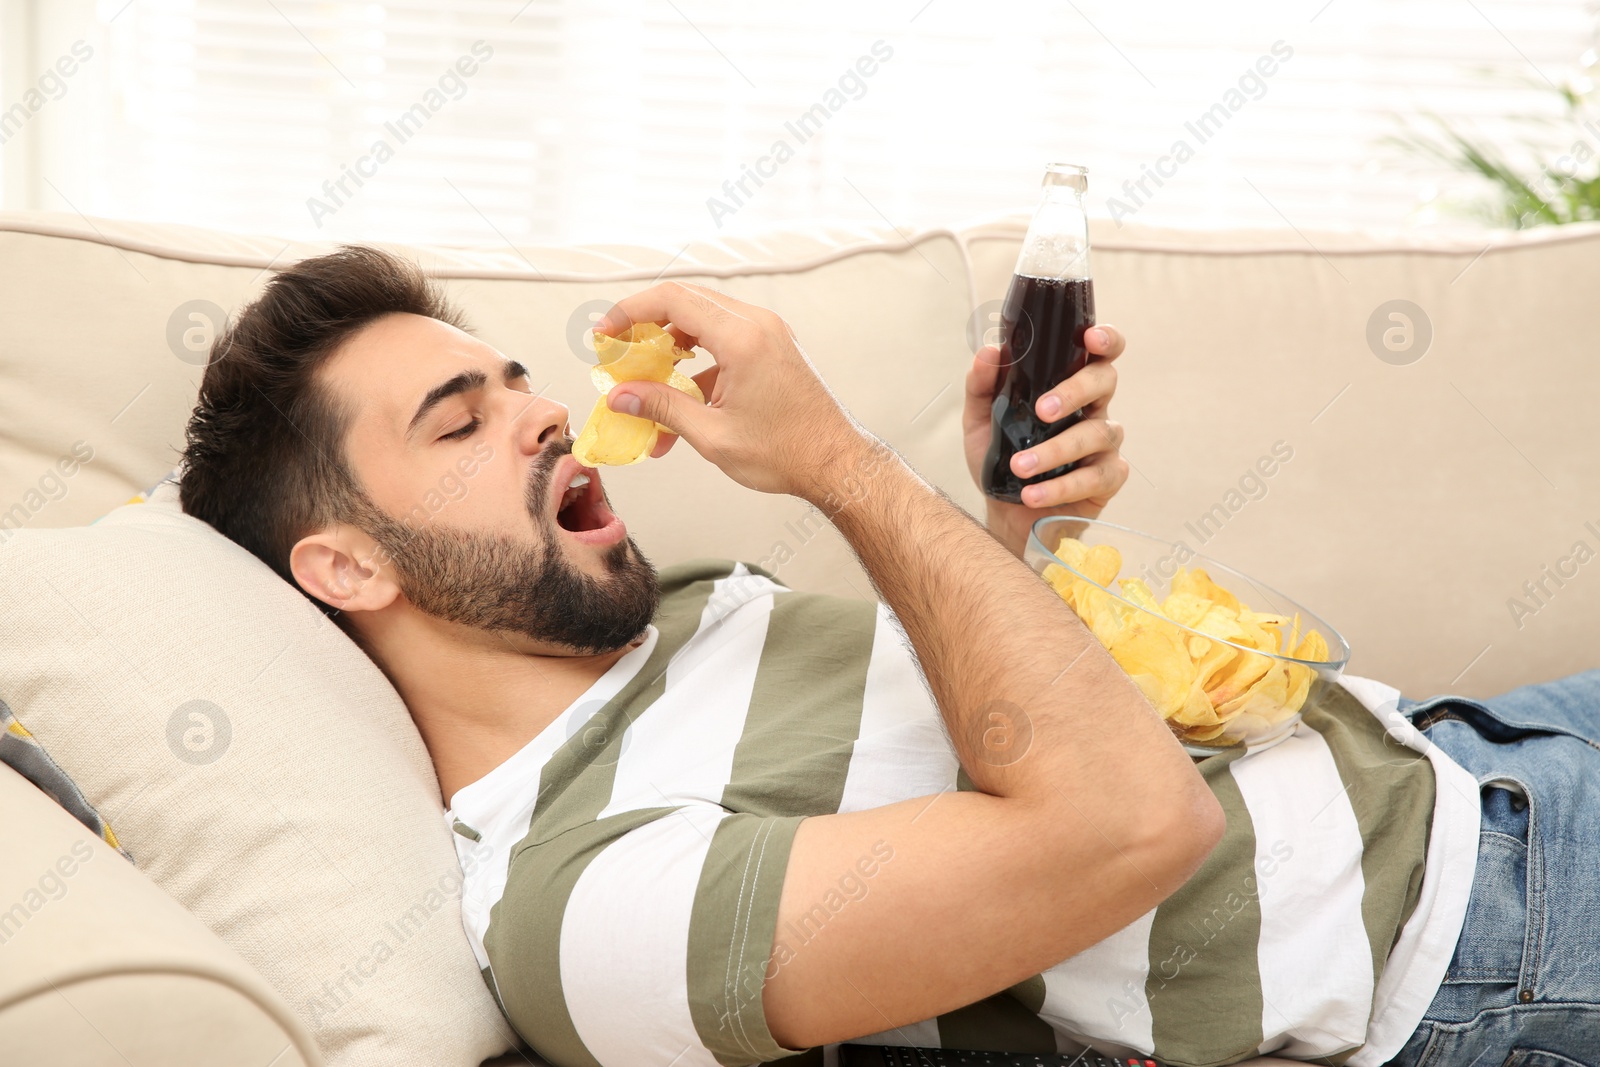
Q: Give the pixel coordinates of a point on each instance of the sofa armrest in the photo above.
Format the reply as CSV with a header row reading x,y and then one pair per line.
x,y
102,967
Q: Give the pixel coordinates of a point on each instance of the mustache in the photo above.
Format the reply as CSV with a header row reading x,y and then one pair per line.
x,y
543,470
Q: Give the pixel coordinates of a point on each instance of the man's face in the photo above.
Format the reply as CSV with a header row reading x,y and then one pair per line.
x,y
470,477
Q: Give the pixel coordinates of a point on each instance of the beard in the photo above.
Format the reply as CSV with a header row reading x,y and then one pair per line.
x,y
499,582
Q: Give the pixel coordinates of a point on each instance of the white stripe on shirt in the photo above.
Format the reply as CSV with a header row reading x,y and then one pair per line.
x,y
704,703
901,749
1311,904
632,903
1082,1004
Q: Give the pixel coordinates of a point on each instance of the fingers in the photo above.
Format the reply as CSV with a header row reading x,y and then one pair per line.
x,y
985,372
1104,341
981,380
1092,388
679,412
695,314
698,315
1074,443
1095,482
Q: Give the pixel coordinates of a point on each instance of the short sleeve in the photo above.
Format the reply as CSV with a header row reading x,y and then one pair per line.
x,y
644,937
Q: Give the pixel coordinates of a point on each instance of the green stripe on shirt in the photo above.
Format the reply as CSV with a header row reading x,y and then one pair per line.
x,y
1391,790
1204,986
731,935
816,655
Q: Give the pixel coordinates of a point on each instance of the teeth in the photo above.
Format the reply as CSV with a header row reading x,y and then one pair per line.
x,y
574,490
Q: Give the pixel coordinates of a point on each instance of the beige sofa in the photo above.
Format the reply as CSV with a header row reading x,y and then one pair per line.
x,y
1427,483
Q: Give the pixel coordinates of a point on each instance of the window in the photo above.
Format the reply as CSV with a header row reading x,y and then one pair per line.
x,y
665,120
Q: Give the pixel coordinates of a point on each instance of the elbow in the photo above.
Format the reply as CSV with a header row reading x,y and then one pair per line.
x,y
1188,828
1144,852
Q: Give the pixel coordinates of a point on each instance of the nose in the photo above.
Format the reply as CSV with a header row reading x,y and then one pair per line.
x,y
540,422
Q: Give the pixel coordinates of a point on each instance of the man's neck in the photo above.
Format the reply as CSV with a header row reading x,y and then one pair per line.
x,y
478,698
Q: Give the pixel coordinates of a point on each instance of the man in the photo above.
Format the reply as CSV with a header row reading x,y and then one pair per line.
x,y
706,819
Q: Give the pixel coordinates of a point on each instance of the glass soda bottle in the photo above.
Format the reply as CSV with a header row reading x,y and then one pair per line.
x,y
1047,309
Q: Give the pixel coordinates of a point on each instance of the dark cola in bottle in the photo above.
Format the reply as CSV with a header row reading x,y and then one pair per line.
x,y
1047,309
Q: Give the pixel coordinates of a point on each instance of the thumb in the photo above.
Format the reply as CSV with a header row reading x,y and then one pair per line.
x,y
677,411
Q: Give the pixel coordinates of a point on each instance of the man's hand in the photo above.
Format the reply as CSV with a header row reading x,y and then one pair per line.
x,y
1083,492
768,422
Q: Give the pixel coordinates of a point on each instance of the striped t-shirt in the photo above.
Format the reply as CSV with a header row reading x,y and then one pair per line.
x,y
623,869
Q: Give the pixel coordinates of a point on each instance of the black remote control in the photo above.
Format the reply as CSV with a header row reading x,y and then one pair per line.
x,y
907,1056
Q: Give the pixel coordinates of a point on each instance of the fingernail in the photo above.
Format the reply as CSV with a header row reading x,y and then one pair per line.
x,y
1030,495
1049,407
1101,338
1025,462
627,403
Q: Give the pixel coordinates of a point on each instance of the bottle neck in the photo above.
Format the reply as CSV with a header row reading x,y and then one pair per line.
x,y
1056,245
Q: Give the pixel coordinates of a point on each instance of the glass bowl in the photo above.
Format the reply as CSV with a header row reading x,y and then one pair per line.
x,y
1221,683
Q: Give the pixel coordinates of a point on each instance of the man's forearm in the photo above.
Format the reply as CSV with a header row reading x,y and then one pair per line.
x,y
1005,657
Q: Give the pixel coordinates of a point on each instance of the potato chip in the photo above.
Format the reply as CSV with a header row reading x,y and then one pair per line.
x,y
614,438
1197,710
1219,681
1254,635
1185,608
1137,591
1059,577
1300,679
642,352
1071,552
1264,695
1237,677
1313,648
1198,582
1100,610
1215,659
1154,649
1101,564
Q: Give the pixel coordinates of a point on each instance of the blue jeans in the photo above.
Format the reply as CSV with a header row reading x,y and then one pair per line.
x,y
1523,989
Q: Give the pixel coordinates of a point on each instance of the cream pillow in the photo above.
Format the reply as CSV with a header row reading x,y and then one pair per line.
x,y
258,767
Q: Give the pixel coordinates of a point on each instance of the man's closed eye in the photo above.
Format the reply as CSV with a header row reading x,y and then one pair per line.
x,y
463,433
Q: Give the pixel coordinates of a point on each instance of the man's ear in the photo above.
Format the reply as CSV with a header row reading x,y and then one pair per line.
x,y
343,566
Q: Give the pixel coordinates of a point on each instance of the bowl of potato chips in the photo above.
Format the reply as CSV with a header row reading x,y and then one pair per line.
x,y
1229,663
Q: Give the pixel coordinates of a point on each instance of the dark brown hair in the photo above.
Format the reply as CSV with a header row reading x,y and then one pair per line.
x,y
264,460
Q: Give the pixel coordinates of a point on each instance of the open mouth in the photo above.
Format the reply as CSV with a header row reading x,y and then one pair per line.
x,y
581,506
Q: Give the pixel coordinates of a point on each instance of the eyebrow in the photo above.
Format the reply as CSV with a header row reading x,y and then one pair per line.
x,y
465,382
